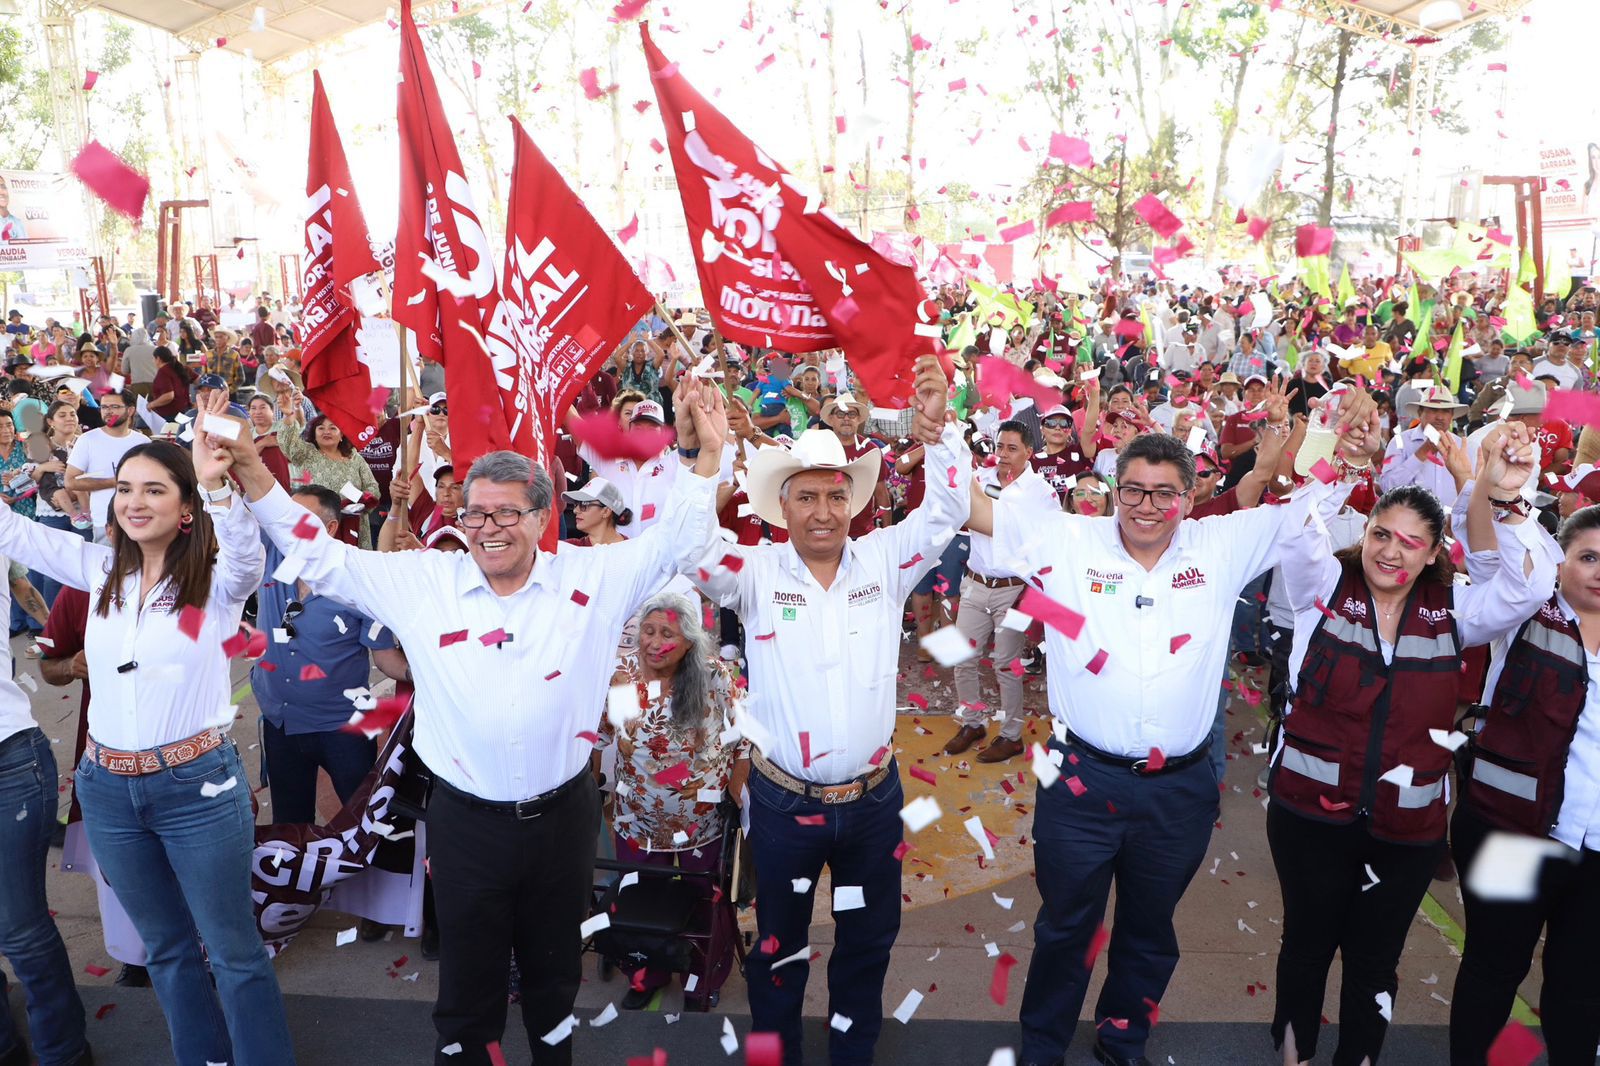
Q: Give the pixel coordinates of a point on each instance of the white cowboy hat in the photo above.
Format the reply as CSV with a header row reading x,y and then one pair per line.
x,y
1437,397
817,449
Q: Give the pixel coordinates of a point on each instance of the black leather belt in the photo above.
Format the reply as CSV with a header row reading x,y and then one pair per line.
x,y
1141,765
522,809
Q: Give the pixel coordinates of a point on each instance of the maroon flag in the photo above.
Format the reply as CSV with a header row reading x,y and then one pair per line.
x,y
568,296
445,289
338,251
777,268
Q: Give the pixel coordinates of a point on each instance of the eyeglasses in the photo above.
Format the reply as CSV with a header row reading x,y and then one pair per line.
x,y
438,409
504,518
1207,473
294,610
584,505
1133,496
1056,423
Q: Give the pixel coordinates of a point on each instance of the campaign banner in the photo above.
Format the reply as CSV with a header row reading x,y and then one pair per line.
x,y
41,221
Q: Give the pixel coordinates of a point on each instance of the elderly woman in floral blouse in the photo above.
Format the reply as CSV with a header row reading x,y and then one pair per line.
x,y
672,766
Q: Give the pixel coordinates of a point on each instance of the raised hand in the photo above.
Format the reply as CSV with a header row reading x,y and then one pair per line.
x,y
932,390
1508,458
684,398
211,453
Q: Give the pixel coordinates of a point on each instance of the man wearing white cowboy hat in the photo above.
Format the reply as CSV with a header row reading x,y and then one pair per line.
x,y
1428,454
824,788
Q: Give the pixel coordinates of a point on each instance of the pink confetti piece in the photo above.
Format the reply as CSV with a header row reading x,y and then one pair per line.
x,y
672,776
588,735
1150,208
108,177
1072,211
1098,662
1001,978
552,675
878,756
580,598
916,699
1515,1046
1097,944
498,636
190,621
447,639
1329,805
307,528
95,971
1179,641
1324,472
913,561
1312,240
922,773
1076,786
1057,616
249,642
732,563
312,672
805,749
1155,761
811,819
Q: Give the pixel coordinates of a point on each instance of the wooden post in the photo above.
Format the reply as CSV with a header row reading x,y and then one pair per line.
x,y
673,326
408,450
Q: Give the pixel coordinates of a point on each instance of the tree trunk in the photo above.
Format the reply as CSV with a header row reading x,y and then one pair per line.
x,y
1118,220
1325,208
911,115
1228,127
832,110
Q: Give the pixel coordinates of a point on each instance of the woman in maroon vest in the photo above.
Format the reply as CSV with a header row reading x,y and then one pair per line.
x,y
1357,818
1535,772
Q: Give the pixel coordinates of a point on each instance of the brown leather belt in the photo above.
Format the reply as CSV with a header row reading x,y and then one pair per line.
x,y
994,582
152,760
845,792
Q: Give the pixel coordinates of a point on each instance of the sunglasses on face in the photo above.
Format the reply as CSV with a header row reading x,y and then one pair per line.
x,y
439,409
1055,423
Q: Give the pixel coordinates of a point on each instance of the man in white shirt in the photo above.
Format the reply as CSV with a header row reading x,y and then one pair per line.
x,y
646,485
511,652
1558,364
1133,698
92,463
988,591
823,613
1414,457
1181,354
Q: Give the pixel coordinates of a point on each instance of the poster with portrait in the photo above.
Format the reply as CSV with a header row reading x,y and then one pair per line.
x,y
41,221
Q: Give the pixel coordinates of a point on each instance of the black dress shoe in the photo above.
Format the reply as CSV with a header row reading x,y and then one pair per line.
x,y
1107,1057
133,977
430,943
638,998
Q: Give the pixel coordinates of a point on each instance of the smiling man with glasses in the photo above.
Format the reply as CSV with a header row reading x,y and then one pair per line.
x,y
511,651
1134,700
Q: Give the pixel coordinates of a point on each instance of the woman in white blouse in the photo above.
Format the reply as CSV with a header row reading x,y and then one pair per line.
x,y
165,798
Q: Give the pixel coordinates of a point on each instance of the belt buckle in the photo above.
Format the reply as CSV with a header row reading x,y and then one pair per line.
x,y
1139,766
526,810
842,793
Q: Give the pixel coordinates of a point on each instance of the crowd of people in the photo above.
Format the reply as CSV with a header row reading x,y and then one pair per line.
x,y
1168,483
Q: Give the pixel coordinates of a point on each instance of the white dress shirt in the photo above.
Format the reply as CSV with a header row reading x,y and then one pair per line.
x,y
1484,611
1029,492
823,660
1402,467
501,721
1147,693
1578,822
15,713
180,686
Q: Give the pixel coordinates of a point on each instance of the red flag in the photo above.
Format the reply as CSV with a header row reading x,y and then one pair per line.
x,y
568,297
445,289
777,269
338,250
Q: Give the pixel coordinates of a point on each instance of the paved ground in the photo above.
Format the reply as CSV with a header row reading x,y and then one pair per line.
x,y
1215,1011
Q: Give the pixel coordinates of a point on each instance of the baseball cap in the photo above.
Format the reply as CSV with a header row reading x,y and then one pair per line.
x,y
1059,409
649,409
598,490
211,381
437,397
1256,377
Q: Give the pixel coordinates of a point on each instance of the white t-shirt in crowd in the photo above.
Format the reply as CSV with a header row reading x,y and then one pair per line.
x,y
1567,376
97,454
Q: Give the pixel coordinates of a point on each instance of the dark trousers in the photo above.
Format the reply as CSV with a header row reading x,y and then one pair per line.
x,y
857,842
504,884
1321,870
1501,938
1149,835
292,761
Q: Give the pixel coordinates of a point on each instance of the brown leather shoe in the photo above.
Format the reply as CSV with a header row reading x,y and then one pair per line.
x,y
965,737
1002,749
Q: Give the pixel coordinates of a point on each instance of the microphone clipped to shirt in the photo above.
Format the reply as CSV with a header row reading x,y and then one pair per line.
x,y
1143,601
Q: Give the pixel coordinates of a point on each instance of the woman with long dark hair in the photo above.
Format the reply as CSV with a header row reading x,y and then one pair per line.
x,y
672,765
169,392
165,797
1358,781
323,453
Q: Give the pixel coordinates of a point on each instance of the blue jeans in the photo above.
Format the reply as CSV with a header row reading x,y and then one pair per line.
x,y
179,862
1249,615
952,567
856,841
1149,834
28,935
292,760
49,587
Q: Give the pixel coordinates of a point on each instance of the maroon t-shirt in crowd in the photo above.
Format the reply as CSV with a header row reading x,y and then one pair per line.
x,y
382,453
1061,468
864,522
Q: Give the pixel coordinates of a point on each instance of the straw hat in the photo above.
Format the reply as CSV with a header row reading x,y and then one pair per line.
x,y
817,449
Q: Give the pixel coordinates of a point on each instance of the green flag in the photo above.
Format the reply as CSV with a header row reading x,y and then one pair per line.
x,y
1452,361
1520,323
1347,291
1557,278
1291,354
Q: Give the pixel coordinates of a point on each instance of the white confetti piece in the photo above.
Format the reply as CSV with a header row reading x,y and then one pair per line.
x,y
920,813
217,426
974,826
605,1017
848,898
730,1040
629,878
344,936
338,623
709,795
1004,901
1017,928
27,682
1507,866
1384,999
210,790
373,630
1400,775
1016,620
1372,875
1449,740
280,635
622,705
562,1030
1243,928
991,949
22,815
450,1049
594,924
908,1007
801,884
1003,1056
840,1022
948,646
935,954
799,956
692,983
1043,767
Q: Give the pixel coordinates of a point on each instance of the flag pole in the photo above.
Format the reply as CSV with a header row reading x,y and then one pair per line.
x,y
408,451
673,326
